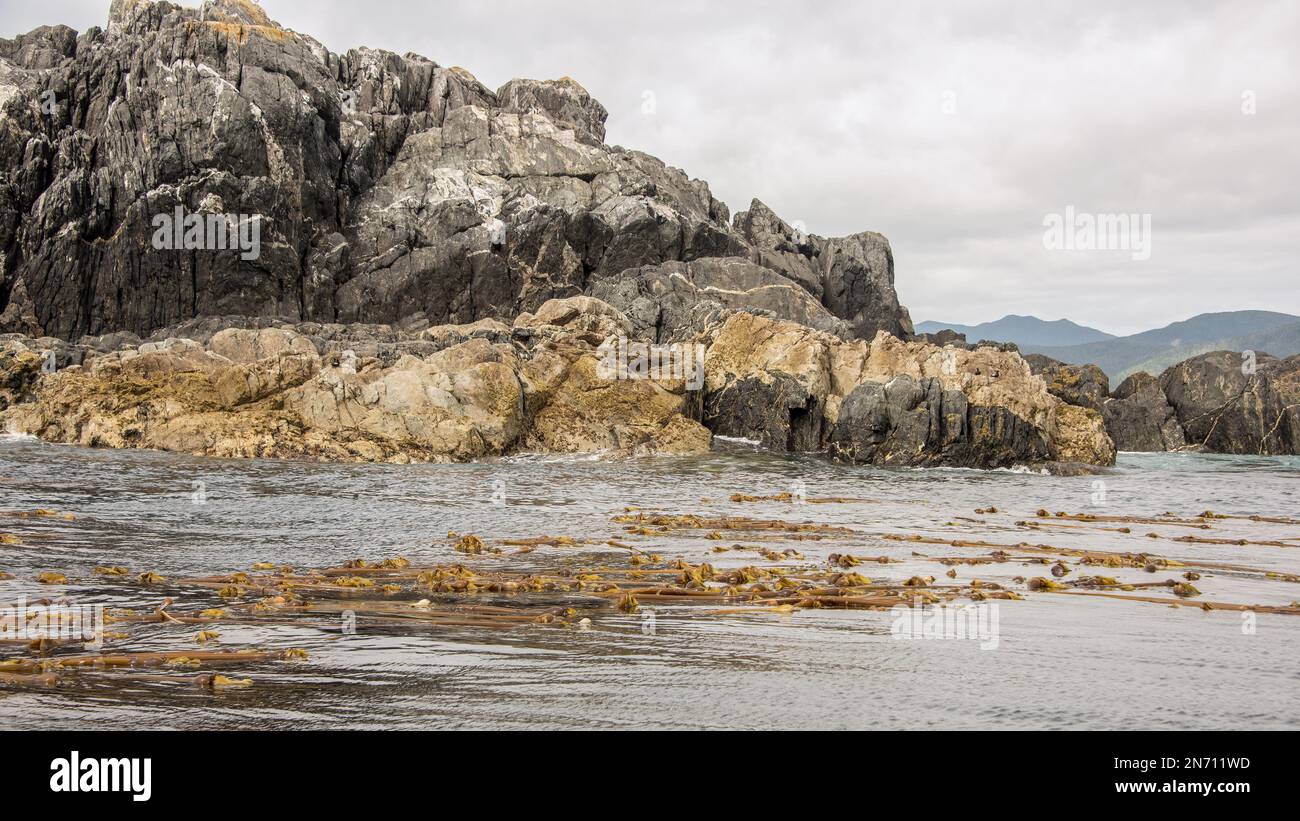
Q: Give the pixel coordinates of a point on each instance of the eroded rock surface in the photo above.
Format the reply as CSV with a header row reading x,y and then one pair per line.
x,y
384,188
887,401
253,387
269,392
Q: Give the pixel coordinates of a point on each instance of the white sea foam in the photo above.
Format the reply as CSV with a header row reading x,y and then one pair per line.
x,y
738,440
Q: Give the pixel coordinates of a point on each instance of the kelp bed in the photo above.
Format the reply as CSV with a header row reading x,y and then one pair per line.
x,y
742,566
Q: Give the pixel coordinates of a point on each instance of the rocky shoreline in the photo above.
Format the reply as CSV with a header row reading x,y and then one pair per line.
x,y
246,388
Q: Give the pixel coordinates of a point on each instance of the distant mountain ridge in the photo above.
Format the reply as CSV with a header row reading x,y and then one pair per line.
x,y
1023,330
1153,351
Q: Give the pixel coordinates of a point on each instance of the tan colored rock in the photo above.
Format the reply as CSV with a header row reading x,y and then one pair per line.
x,y
589,413
267,393
249,382
544,385
250,345
118,400
19,370
155,360
1081,436
461,403
594,319
754,346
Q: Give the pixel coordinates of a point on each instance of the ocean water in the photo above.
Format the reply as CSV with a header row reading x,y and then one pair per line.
x,y
1061,661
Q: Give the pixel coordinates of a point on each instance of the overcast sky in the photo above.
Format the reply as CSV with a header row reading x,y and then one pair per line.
x,y
952,128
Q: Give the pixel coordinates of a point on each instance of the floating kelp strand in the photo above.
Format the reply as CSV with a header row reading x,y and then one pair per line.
x,y
1145,520
1291,610
1236,542
1086,556
694,522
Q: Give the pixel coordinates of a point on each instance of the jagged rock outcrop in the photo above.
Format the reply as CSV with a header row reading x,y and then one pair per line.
x,y
375,187
257,387
946,336
660,299
1083,385
852,276
1139,417
1227,406
272,392
887,401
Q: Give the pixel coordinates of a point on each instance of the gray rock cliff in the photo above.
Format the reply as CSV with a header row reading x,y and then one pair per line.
x,y
381,187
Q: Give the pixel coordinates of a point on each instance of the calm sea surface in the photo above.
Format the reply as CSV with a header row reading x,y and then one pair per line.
x,y
1061,661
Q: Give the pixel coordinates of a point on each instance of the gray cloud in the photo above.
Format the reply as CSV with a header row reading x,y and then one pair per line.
x,y
834,114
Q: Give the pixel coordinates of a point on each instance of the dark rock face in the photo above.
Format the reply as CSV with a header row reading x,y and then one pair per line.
x,y
1226,406
1083,385
780,413
911,422
381,187
779,246
853,276
858,280
1140,418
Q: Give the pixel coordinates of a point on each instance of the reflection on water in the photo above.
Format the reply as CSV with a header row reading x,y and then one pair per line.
x,y
1062,661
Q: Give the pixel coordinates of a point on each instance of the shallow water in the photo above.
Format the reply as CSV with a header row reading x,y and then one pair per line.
x,y
1061,661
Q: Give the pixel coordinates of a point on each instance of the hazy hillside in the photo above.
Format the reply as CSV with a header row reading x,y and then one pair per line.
x,y
1153,351
1281,341
1022,330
